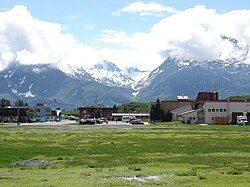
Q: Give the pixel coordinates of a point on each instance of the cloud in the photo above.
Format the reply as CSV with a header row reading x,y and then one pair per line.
x,y
196,33
30,41
109,36
146,9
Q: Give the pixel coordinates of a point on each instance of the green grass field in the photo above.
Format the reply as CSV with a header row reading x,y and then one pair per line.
x,y
154,155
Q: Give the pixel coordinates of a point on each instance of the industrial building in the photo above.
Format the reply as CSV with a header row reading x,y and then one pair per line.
x,y
206,108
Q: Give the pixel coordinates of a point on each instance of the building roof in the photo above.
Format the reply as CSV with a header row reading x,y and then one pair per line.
x,y
187,112
182,97
130,114
207,96
188,107
231,101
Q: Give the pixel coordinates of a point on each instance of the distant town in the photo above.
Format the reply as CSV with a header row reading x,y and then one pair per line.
x,y
207,108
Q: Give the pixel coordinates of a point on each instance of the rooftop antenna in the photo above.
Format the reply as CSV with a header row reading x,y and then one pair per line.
x,y
214,89
214,86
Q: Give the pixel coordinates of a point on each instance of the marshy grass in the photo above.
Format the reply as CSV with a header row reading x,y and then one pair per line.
x,y
178,154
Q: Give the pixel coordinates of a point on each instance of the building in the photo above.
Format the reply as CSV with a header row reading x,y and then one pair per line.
x,y
105,112
11,115
168,106
25,114
207,108
42,113
225,111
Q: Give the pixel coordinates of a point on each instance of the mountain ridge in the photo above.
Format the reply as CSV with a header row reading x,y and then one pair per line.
x,y
106,84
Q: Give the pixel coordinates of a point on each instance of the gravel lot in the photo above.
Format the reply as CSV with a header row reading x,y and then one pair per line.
x,y
73,125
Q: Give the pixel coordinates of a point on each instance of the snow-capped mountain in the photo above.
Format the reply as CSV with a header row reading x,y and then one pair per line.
x,y
109,74
175,77
107,84
45,83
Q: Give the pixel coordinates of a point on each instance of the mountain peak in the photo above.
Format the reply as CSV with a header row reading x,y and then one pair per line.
x,y
108,66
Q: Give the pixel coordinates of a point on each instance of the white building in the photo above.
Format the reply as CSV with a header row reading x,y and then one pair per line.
x,y
225,109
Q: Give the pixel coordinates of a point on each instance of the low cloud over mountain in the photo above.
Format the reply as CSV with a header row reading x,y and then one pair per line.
x,y
192,34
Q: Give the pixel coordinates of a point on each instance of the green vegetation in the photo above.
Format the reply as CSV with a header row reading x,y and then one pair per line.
x,y
242,97
164,154
134,107
4,102
70,112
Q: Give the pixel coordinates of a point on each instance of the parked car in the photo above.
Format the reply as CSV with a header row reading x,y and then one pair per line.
x,y
86,121
99,121
128,118
137,121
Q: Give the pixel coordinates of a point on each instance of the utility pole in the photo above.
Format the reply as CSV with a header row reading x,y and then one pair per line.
x,y
18,122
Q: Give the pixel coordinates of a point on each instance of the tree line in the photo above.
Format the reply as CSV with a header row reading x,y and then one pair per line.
x,y
6,103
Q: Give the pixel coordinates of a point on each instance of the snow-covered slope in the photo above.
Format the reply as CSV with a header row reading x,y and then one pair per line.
x,y
109,74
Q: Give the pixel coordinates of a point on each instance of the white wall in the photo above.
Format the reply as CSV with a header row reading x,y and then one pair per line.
x,y
224,109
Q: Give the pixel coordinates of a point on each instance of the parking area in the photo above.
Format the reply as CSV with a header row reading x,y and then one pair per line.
x,y
71,122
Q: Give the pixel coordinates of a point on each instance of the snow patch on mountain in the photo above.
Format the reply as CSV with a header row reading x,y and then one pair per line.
x,y
27,94
39,70
108,73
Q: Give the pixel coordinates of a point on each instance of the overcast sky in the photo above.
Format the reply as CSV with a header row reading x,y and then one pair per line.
x,y
128,33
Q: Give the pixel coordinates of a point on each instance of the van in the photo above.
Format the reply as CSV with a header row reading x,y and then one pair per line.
x,y
128,118
241,120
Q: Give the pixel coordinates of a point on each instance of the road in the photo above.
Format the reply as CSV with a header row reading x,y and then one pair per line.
x,y
67,122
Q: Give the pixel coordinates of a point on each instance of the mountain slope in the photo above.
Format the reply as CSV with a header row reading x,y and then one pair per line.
x,y
109,74
47,84
176,77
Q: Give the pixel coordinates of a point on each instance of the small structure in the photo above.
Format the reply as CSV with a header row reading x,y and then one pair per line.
x,y
182,98
175,113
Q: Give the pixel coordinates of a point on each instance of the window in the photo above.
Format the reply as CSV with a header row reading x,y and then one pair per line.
x,y
193,118
213,110
217,110
221,110
209,110
225,110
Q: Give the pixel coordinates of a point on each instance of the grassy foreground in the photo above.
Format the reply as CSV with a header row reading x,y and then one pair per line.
x,y
154,155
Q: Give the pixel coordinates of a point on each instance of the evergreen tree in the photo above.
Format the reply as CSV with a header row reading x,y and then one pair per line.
x,y
31,113
152,113
39,104
125,110
92,113
98,113
20,102
115,108
4,102
158,110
